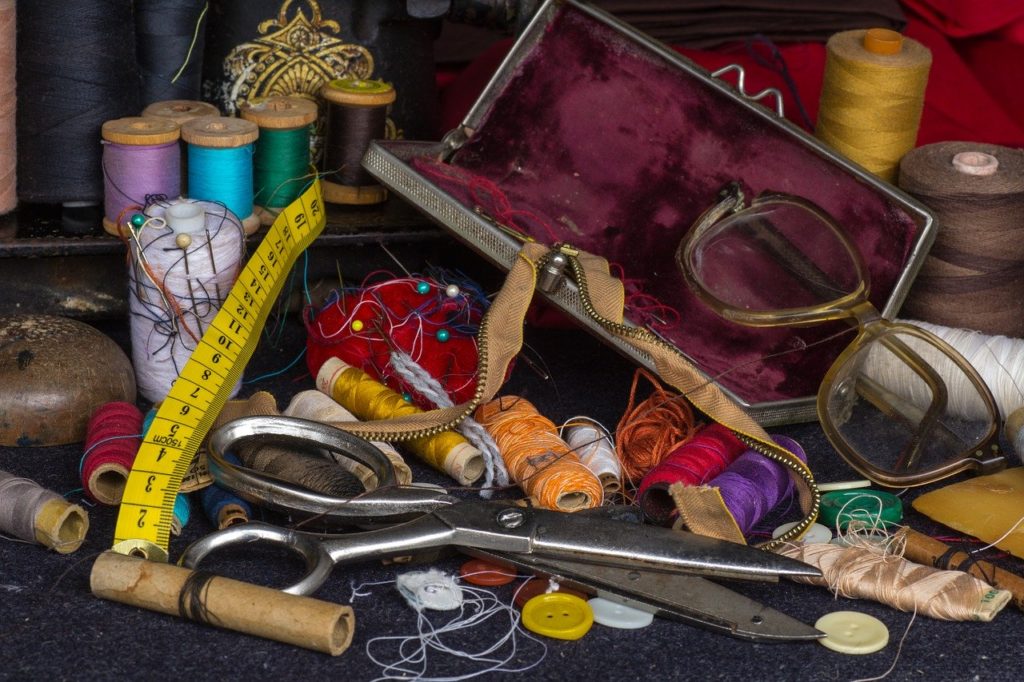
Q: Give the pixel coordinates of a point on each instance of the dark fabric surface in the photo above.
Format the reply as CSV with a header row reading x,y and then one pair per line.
x,y
51,627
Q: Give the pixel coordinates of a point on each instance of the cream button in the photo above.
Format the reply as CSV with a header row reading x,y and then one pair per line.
x,y
816,534
852,632
615,615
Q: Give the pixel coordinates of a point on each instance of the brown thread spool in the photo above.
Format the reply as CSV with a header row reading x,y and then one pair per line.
x,y
356,114
973,275
276,115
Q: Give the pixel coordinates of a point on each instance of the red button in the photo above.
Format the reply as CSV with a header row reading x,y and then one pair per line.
x,y
480,572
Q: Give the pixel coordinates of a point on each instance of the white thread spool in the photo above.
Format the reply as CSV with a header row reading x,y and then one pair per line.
x,y
593,445
194,251
998,359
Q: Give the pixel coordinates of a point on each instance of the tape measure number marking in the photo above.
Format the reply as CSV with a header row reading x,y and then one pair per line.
x,y
201,389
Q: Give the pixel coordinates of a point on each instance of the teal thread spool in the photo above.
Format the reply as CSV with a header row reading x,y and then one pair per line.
x,y
220,164
281,166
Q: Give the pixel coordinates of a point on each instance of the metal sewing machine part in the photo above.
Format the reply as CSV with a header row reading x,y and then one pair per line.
x,y
657,569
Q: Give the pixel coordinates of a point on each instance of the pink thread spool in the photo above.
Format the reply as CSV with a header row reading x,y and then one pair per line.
x,y
112,440
141,158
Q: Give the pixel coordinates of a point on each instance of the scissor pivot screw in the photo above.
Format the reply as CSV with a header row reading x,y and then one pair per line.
x,y
510,518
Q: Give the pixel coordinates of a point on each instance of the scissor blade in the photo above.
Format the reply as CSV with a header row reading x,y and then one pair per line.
x,y
688,598
595,540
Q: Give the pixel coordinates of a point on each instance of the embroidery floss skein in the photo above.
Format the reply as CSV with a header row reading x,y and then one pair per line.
x,y
8,97
141,158
974,273
282,151
220,164
356,114
353,389
868,571
537,459
32,513
183,260
648,431
872,97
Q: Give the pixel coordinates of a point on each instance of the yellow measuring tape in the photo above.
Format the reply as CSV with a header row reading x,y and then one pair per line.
x,y
200,391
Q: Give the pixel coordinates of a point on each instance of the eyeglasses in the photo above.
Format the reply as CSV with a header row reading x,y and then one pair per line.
x,y
900,405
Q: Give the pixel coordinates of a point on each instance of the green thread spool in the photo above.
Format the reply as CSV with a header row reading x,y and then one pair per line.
x,y
281,165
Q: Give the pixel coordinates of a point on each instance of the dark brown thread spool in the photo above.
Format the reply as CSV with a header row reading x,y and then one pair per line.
x,y
356,114
974,273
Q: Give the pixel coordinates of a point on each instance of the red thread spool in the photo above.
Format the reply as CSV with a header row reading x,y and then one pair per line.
x,y
697,461
112,440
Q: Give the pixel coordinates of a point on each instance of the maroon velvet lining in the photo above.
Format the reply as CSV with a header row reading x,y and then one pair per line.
x,y
621,151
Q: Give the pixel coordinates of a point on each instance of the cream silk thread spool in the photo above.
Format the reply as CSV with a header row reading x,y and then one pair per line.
x,y
32,513
872,97
973,276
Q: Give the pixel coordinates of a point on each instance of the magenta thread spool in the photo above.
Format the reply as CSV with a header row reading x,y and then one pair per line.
x,y
141,158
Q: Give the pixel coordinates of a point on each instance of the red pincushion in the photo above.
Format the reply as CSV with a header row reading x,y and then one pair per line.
x,y
397,314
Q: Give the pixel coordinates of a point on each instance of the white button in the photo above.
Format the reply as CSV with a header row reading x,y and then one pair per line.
x,y
844,485
852,632
615,615
430,589
816,534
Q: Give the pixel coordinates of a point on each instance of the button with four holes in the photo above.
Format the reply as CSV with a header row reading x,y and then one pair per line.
x,y
558,615
852,632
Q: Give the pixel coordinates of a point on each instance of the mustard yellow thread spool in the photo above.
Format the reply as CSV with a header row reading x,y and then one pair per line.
x,y
872,97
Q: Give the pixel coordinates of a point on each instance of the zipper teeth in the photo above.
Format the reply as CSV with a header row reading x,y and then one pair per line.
x,y
482,366
784,459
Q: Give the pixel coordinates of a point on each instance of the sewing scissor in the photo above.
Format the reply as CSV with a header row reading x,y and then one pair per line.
x,y
656,569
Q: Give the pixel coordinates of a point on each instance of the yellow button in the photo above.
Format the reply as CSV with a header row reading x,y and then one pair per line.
x,y
558,615
852,632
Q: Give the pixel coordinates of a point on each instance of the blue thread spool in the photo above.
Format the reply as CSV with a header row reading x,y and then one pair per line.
x,y
182,513
222,507
220,164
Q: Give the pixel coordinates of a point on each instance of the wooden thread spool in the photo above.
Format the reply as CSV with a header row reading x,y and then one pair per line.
x,y
141,157
872,97
220,164
356,114
182,111
368,399
282,151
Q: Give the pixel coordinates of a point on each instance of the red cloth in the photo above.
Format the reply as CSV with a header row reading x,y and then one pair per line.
x,y
973,94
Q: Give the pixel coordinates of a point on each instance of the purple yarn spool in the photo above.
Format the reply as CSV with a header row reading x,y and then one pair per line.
x,y
133,172
753,484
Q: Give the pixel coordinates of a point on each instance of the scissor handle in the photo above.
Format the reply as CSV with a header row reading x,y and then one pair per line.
x,y
309,547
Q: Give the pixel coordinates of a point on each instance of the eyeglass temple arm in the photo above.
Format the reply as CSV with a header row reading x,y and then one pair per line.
x,y
794,260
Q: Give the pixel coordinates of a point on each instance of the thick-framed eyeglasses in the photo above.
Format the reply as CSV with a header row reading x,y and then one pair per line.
x,y
899,404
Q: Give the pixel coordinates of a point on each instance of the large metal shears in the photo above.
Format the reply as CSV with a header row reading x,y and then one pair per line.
x,y
655,569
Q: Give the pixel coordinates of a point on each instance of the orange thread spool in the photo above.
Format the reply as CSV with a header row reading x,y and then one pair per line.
x,y
543,464
650,430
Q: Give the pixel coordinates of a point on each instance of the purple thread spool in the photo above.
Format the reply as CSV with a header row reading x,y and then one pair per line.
x,y
753,484
141,157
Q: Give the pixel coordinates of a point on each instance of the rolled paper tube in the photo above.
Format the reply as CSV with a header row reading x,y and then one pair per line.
x,y
32,513
316,406
230,604
368,399
929,551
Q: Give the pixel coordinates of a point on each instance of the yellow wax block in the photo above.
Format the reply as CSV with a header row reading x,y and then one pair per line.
x,y
985,507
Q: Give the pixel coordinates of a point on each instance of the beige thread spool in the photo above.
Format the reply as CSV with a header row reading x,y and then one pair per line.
x,y
45,517
182,111
221,132
872,97
230,604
